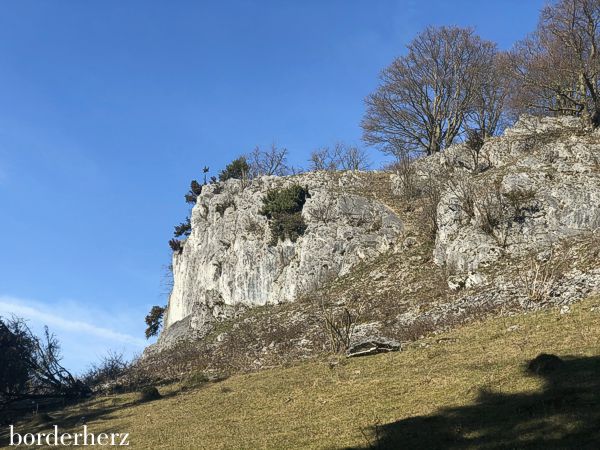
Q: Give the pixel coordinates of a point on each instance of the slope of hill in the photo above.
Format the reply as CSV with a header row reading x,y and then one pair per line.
x,y
461,389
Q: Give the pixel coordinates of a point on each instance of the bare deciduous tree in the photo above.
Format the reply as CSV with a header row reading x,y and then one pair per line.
x,y
268,162
353,158
426,96
488,115
339,157
558,66
322,159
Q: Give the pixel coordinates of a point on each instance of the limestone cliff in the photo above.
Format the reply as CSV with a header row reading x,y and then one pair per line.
x,y
516,226
229,262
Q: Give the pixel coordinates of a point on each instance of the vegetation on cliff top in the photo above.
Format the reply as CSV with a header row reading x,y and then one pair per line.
x,y
283,208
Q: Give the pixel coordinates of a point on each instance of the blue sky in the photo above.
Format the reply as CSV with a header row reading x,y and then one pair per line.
x,y
108,109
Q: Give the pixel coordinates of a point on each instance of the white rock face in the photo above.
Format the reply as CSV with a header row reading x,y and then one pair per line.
x,y
228,260
547,167
538,184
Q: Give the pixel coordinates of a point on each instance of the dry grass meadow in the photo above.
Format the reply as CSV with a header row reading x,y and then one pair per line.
x,y
463,389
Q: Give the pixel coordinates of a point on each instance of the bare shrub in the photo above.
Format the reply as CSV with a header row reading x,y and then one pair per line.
x,y
540,278
110,368
493,213
430,201
339,322
465,192
521,202
367,217
167,280
419,328
592,244
497,212
376,223
322,212
404,168
430,195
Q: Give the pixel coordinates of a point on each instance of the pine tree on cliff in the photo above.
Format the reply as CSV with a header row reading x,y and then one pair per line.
x,y
154,321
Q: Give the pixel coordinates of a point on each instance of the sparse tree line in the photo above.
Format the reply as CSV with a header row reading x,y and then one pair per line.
x,y
272,161
452,85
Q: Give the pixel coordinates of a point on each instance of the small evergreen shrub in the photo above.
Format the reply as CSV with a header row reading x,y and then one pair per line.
x,y
238,169
290,226
194,192
287,200
283,208
184,228
176,245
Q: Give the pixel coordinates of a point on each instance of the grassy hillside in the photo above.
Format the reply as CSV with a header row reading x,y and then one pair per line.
x,y
462,389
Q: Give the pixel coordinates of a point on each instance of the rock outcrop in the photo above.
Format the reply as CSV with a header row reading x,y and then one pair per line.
x,y
517,225
372,346
540,184
228,262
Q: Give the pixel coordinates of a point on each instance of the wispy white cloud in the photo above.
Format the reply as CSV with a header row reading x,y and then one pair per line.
x,y
82,333
13,306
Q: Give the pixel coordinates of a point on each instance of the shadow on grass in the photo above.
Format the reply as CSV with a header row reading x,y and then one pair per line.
x,y
565,415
